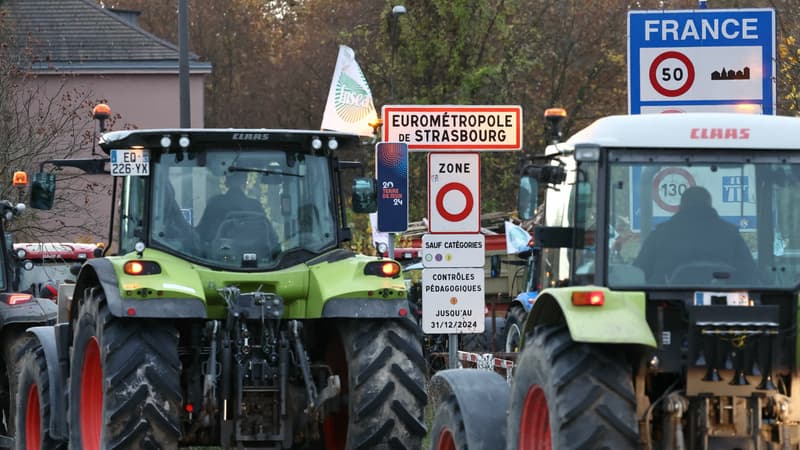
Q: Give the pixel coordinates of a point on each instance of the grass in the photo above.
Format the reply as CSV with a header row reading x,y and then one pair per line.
x,y
429,413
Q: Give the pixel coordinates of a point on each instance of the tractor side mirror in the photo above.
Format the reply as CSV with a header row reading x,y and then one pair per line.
x,y
528,197
365,195
43,189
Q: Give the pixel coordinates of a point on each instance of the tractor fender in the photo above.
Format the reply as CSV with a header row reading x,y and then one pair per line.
x,y
361,308
46,337
620,320
483,399
100,271
39,311
525,300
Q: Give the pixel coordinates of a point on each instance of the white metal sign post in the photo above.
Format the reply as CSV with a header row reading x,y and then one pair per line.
x,y
454,213
454,193
701,60
453,203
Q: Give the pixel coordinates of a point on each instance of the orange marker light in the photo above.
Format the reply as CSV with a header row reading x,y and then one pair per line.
x,y
134,268
387,269
555,112
139,267
101,111
588,298
20,179
390,269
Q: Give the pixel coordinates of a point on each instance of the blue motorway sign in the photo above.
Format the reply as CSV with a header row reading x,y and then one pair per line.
x,y
730,188
701,60
391,169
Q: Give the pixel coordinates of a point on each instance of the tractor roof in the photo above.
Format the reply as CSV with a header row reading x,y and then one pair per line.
x,y
692,130
200,137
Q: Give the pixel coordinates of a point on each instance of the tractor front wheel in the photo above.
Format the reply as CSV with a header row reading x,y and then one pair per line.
x,y
569,395
33,403
124,381
384,386
448,431
515,321
14,341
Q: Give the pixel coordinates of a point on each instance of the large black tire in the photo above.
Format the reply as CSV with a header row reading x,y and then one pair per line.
x,y
581,395
515,321
13,341
33,403
383,384
448,431
471,414
124,381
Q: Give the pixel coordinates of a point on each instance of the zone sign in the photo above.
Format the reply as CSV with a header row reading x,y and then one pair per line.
x,y
454,193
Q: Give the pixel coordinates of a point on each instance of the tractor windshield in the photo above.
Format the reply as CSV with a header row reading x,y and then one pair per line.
x,y
249,209
679,220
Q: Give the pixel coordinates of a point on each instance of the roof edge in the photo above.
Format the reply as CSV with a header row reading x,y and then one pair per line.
x,y
138,28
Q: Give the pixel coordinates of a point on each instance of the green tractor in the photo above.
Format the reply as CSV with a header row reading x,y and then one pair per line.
x,y
668,294
229,314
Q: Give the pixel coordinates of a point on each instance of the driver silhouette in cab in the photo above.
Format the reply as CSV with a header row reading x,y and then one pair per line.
x,y
695,246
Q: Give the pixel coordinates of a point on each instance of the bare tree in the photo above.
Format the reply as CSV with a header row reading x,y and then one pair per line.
x,y
41,121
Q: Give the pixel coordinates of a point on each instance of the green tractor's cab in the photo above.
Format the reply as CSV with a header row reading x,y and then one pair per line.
x,y
290,183
289,173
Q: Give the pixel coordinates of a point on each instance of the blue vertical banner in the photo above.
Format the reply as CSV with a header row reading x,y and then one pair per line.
x,y
391,171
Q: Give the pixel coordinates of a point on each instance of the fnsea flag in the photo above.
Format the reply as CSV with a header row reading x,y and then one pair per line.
x,y
517,238
349,108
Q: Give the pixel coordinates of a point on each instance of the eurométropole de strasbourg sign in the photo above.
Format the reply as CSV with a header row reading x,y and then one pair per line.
x,y
454,127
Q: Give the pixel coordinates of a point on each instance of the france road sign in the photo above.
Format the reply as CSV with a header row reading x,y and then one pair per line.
x,y
453,301
701,60
454,193
454,127
391,169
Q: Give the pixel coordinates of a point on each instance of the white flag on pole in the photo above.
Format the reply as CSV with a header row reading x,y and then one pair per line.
x,y
349,107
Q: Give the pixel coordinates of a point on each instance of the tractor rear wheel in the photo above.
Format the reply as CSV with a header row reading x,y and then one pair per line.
x,y
382,386
33,403
569,395
124,381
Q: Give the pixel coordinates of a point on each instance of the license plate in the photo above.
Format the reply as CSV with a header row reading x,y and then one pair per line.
x,y
126,162
704,298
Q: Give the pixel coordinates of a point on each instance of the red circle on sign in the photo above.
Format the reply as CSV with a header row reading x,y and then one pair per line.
x,y
447,215
657,181
689,74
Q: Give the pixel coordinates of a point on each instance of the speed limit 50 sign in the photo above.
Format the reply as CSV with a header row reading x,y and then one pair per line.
x,y
701,60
